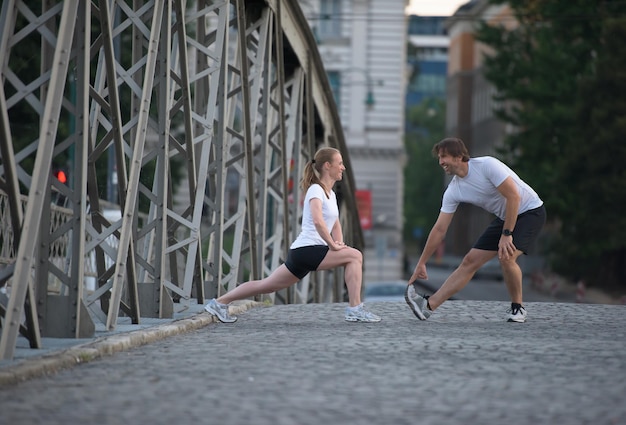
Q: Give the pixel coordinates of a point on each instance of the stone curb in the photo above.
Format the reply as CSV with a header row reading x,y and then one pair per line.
x,y
36,367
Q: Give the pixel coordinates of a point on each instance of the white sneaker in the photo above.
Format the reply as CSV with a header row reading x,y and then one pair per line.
x,y
360,314
517,314
220,311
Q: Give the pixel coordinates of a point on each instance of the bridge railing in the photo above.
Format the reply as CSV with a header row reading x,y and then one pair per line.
x,y
229,94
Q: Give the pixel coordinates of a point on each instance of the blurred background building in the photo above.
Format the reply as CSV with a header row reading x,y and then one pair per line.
x,y
427,59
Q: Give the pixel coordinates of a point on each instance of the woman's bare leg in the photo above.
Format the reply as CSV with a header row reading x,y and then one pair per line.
x,y
352,259
281,278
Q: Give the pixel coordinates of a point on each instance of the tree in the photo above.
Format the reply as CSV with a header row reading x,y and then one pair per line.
x,y
559,74
596,171
423,178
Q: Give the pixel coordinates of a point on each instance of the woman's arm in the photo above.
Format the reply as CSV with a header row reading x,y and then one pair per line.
x,y
337,232
315,204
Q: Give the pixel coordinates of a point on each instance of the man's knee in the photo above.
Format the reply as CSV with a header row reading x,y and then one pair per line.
x,y
509,262
474,261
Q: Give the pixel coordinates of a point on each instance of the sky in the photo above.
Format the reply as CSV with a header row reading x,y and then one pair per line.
x,y
434,7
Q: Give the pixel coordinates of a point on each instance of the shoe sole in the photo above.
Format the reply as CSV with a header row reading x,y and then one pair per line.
x,y
414,308
209,310
354,319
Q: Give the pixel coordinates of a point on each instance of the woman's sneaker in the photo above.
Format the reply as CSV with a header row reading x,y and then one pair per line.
x,y
360,314
417,302
517,313
220,311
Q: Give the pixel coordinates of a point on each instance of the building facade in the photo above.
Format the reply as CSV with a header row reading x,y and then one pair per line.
x,y
363,47
427,58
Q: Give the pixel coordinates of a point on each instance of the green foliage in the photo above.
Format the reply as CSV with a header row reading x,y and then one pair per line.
x,y
537,67
561,73
423,178
595,170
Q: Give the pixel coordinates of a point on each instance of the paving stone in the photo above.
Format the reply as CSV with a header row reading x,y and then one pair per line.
x,y
303,364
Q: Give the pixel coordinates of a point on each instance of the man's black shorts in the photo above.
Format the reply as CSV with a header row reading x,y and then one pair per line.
x,y
526,230
301,261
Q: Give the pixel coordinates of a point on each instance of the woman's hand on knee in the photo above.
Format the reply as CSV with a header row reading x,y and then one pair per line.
x,y
338,246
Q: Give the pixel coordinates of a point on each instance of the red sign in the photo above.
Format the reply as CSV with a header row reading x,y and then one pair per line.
x,y
364,206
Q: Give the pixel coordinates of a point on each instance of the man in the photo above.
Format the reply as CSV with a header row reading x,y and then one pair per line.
x,y
520,216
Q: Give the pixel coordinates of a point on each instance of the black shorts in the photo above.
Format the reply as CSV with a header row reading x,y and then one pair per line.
x,y
527,228
301,261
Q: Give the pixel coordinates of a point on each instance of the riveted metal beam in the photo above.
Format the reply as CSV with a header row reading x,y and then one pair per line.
x,y
190,119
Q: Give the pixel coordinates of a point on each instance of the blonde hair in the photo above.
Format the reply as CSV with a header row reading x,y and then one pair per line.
x,y
313,169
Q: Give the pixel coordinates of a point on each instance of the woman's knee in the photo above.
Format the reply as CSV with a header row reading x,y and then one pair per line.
x,y
356,255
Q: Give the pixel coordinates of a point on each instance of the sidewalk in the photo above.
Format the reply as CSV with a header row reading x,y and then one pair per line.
x,y
61,353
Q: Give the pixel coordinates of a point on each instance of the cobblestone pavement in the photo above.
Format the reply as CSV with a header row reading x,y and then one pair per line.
x,y
303,364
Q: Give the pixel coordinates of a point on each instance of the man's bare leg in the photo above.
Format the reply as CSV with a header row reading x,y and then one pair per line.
x,y
472,261
512,274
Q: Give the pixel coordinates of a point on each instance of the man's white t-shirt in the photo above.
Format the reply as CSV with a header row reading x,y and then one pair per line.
x,y
479,187
330,211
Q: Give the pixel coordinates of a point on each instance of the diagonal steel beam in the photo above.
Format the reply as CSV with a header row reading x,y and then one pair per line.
x,y
128,216
22,282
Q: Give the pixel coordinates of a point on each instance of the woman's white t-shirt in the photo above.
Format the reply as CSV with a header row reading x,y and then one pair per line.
x,y
330,211
480,187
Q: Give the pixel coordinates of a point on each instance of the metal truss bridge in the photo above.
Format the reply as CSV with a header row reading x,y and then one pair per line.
x,y
197,115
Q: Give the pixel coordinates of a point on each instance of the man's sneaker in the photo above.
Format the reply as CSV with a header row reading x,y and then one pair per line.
x,y
360,314
517,314
220,311
417,302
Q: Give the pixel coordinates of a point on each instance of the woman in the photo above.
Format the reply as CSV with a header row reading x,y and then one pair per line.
x,y
319,246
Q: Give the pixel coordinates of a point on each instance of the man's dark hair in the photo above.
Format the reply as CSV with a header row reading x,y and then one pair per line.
x,y
453,146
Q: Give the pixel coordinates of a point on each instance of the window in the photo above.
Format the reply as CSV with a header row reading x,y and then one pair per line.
x,y
330,19
434,84
334,78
